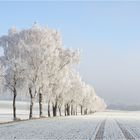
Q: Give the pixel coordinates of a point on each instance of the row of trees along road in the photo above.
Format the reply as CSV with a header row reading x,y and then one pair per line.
x,y
35,63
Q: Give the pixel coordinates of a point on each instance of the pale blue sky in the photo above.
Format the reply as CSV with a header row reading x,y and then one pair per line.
x,y
107,32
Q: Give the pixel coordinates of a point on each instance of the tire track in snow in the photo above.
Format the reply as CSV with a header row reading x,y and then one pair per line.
x,y
112,130
125,132
100,131
96,129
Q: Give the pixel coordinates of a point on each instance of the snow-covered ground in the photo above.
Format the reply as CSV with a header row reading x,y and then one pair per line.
x,y
109,125
22,110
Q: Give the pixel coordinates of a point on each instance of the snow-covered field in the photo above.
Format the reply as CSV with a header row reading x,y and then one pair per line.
x,y
109,125
22,110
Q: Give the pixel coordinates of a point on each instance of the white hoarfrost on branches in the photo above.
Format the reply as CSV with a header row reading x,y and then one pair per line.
x,y
35,62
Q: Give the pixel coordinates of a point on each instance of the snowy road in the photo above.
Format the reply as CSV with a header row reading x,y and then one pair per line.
x,y
112,125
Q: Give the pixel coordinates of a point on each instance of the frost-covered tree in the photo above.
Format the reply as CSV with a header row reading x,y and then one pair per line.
x,y
65,60
74,93
14,66
2,77
36,45
36,63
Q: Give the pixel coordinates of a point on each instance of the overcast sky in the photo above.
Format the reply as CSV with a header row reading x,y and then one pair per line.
x,y
108,33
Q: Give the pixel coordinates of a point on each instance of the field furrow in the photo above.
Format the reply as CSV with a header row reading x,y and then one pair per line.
x,y
112,130
125,132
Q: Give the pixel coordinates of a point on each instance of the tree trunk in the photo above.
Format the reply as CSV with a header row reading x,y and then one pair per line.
x,y
49,109
81,110
65,110
54,107
85,111
59,108
68,109
40,105
90,112
76,110
31,104
14,105
71,109
54,111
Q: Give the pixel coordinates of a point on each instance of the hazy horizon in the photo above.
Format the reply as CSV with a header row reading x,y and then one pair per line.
x,y
108,33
